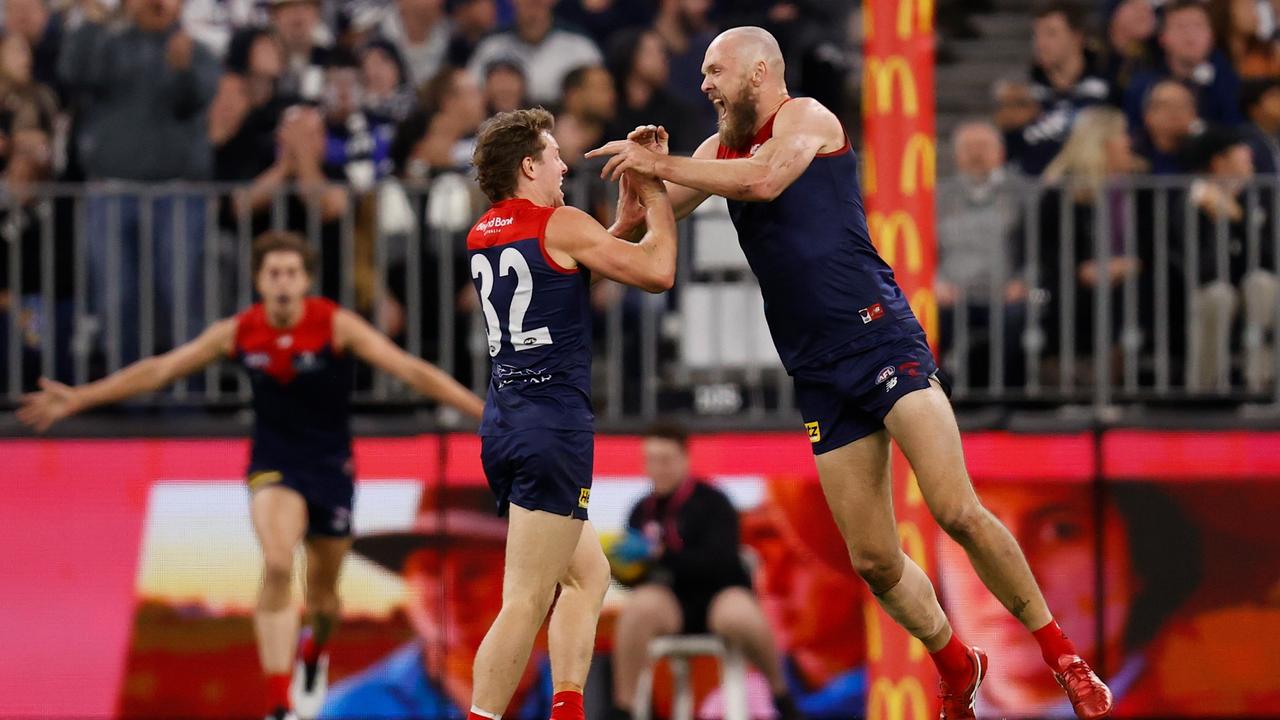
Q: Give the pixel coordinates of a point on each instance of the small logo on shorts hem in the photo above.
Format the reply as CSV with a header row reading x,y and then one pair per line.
x,y
893,382
872,312
884,374
815,434
584,497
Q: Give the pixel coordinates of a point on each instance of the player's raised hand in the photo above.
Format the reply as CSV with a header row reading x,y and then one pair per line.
x,y
627,155
654,137
53,402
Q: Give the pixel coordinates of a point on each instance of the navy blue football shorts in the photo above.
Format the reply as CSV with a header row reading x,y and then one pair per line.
x,y
540,469
849,398
328,491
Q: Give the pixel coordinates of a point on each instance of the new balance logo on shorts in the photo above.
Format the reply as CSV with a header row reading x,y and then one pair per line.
x,y
815,435
874,312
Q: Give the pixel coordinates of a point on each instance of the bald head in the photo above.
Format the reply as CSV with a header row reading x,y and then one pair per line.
x,y
742,76
748,50
979,149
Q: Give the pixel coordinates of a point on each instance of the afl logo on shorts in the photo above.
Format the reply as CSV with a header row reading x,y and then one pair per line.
x,y
885,374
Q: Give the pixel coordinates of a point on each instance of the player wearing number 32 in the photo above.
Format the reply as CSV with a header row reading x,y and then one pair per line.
x,y
861,367
531,258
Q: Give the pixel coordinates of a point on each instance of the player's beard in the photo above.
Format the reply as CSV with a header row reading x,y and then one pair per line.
x,y
738,125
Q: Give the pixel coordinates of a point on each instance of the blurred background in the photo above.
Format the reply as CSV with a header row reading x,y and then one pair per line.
x,y
1087,229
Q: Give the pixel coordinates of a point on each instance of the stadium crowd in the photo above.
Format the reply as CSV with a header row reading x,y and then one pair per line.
x,y
199,124
1156,136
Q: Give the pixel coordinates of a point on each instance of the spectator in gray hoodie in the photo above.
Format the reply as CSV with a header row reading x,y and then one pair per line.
x,y
142,88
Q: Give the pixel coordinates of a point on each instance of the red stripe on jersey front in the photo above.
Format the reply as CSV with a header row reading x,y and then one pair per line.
x,y
274,349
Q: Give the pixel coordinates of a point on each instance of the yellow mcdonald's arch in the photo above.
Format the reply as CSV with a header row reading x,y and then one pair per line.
x,y
892,700
877,86
923,17
885,232
875,638
919,164
914,497
913,543
925,306
868,173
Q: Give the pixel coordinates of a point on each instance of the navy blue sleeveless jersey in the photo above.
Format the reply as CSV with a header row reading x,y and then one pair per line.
x,y
538,323
827,293
301,391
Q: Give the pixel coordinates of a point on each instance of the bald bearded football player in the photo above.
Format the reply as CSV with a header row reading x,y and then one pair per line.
x,y
862,369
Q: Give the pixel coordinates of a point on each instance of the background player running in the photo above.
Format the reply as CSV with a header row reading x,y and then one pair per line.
x,y
857,355
529,259
297,351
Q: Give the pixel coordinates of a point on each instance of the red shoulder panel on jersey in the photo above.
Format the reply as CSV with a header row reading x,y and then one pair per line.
x,y
509,221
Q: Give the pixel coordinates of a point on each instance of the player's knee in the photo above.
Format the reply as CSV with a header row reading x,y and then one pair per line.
x,y
963,521
596,577
531,604
277,570
879,569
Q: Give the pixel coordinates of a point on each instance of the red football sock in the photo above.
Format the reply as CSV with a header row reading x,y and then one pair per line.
x,y
567,705
277,691
308,649
953,661
1053,643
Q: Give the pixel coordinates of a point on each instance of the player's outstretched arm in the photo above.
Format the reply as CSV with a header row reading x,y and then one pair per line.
x,y
352,332
55,401
629,220
574,237
802,129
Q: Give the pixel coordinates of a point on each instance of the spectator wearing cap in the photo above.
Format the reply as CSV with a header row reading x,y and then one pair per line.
x,y
421,31
1188,54
1169,118
451,563
505,87
1235,263
978,259
387,94
638,62
473,20
1260,99
1236,25
547,53
297,24
152,131
1064,79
